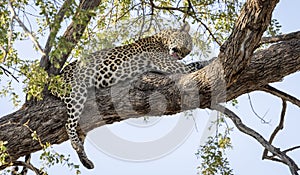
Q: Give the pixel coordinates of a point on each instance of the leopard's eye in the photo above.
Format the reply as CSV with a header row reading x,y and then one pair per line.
x,y
174,49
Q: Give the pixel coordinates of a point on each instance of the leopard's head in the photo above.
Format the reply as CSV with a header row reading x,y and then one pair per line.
x,y
180,42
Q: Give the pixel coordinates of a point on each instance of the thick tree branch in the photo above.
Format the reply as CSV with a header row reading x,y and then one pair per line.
x,y
182,92
268,66
236,52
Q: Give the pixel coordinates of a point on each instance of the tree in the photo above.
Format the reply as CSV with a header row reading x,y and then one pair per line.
x,y
244,64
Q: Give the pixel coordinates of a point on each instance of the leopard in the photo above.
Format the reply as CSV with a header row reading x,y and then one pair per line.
x,y
107,67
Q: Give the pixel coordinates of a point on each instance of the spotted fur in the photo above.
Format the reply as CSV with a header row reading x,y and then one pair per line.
x,y
107,67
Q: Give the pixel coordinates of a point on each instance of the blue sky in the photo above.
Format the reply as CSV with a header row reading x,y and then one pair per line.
x,y
245,157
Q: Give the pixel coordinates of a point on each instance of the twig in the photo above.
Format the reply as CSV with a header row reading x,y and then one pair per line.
x,y
31,14
33,38
281,94
278,128
127,11
245,129
291,149
27,19
253,110
150,23
143,21
190,7
8,73
9,39
181,9
10,33
284,37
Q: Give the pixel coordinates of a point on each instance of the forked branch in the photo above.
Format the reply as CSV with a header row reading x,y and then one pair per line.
x,y
26,30
73,33
277,129
245,129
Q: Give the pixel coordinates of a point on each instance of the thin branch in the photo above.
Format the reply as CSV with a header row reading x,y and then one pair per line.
x,y
245,129
26,30
53,32
8,73
291,149
150,23
278,128
281,94
281,122
182,9
284,37
203,24
253,110
274,159
27,19
127,11
10,33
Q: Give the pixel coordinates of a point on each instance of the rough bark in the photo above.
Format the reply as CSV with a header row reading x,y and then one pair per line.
x,y
237,70
181,92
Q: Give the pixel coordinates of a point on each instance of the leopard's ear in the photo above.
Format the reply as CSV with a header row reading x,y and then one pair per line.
x,y
185,27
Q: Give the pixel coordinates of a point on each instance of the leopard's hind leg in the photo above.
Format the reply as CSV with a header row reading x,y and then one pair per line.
x,y
75,104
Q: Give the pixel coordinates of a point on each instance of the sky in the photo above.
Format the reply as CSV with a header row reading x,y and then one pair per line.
x,y
168,145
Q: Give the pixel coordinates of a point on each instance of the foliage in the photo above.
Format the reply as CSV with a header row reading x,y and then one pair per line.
x,y
234,102
50,158
212,153
3,153
274,28
212,156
